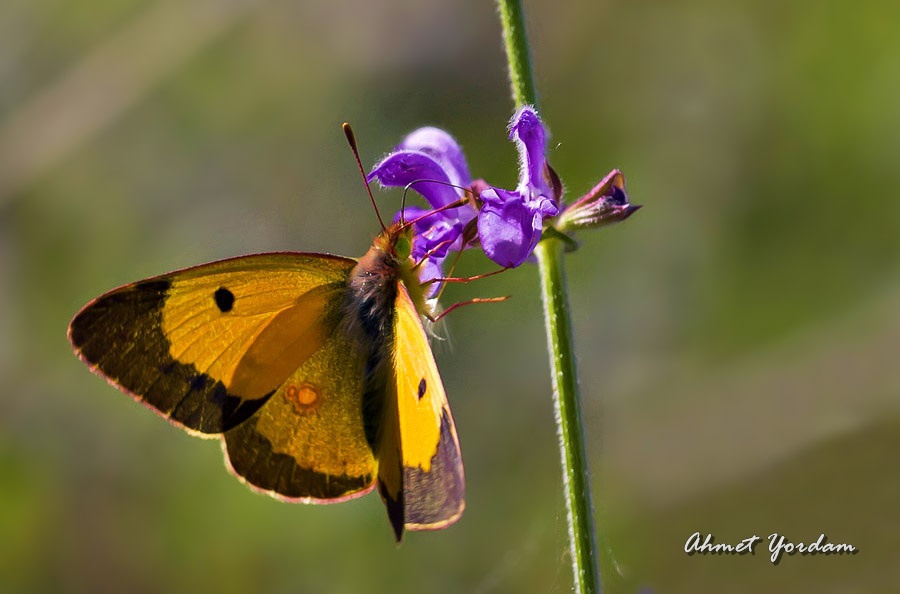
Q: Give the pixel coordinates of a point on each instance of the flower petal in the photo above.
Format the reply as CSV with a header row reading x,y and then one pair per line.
x,y
509,227
433,233
402,167
431,268
527,131
443,148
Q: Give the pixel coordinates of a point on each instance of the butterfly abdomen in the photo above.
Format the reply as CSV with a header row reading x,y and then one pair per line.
x,y
370,313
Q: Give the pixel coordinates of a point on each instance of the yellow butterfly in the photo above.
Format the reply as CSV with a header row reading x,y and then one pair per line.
x,y
314,370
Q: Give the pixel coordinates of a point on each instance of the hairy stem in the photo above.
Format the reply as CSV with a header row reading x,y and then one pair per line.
x,y
566,398
569,423
515,40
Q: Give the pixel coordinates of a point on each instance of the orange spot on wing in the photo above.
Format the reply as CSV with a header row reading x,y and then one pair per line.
x,y
304,397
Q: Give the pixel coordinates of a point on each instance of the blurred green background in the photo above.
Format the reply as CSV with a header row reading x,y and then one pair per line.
x,y
735,338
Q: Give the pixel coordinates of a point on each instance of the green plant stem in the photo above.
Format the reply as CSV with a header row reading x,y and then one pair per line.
x,y
515,40
566,398
569,424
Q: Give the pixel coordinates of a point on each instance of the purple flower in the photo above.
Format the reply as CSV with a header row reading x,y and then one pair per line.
x,y
433,163
509,221
605,204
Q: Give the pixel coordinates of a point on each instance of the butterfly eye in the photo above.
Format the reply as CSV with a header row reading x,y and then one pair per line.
x,y
403,247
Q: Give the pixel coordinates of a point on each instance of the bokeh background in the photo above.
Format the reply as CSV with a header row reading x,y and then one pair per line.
x,y
737,338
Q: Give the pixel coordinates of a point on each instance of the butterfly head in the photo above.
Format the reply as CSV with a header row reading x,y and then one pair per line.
x,y
395,246
399,240
392,253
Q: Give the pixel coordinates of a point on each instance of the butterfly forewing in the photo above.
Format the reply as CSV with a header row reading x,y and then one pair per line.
x,y
179,342
430,493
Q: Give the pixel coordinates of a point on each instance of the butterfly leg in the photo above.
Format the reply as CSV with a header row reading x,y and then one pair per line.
x,y
434,319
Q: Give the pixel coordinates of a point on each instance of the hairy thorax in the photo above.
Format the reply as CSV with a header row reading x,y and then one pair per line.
x,y
374,284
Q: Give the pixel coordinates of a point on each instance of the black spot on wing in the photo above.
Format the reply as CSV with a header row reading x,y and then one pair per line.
x,y
121,334
422,388
224,299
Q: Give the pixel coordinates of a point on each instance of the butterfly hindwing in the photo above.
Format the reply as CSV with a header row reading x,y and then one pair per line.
x,y
196,345
308,441
422,480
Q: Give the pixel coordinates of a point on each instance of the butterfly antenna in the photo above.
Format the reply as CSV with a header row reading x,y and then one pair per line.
x,y
456,204
466,199
351,140
403,206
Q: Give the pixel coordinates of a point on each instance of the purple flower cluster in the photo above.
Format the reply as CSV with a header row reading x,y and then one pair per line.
x,y
431,162
509,222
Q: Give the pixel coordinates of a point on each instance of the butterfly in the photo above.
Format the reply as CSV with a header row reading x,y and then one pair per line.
x,y
314,371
